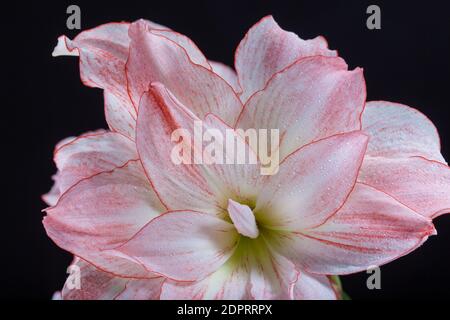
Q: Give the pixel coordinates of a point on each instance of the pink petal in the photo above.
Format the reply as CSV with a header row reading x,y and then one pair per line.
x,y
198,187
51,197
266,49
313,287
94,283
252,273
397,130
102,212
227,73
89,154
192,51
421,184
272,276
183,245
370,229
103,53
312,183
230,282
142,289
99,285
57,295
312,99
156,58
243,219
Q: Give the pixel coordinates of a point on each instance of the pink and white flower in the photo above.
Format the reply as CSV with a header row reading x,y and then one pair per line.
x,y
358,183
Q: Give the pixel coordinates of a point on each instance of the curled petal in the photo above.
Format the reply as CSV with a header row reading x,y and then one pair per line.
x,y
272,276
243,219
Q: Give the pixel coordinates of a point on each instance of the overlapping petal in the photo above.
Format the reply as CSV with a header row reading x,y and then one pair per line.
x,y
183,245
267,49
227,73
205,187
404,159
398,131
421,184
356,187
311,99
103,52
230,282
312,184
86,155
102,212
99,285
370,229
313,287
194,84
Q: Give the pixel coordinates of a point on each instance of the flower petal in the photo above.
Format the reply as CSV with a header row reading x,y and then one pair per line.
x,y
94,283
203,187
313,287
421,184
99,285
156,58
272,276
312,183
192,51
230,282
89,154
183,245
253,272
103,53
397,130
102,212
267,49
142,289
370,229
312,99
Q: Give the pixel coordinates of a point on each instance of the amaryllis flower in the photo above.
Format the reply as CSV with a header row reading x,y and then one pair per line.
x,y
357,185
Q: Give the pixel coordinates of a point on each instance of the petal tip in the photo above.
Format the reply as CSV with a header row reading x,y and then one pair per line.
x,y
62,49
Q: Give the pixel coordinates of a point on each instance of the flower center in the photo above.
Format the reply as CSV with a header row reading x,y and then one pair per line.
x,y
243,219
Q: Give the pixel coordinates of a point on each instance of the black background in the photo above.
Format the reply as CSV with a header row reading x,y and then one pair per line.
x,y
407,61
